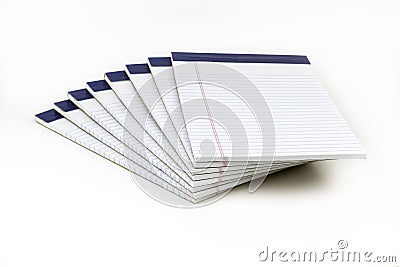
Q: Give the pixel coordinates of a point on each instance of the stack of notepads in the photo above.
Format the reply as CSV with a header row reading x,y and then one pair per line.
x,y
194,125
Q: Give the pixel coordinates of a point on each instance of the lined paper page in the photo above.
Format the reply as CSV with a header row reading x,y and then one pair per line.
x,y
306,121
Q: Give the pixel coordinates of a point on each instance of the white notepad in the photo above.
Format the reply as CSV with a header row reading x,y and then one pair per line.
x,y
200,124
306,123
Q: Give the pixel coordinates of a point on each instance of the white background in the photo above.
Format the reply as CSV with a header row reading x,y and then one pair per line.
x,y
61,205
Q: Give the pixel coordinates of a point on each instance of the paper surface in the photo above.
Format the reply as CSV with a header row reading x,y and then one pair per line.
x,y
306,123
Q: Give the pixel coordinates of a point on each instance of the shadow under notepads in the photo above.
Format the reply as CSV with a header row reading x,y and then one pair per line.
x,y
306,177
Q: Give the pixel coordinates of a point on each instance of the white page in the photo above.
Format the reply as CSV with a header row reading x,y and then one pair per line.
x,y
307,124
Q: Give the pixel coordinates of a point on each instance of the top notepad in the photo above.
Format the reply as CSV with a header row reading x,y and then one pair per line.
x,y
273,105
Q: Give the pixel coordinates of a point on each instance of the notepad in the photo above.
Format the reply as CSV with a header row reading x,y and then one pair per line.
x,y
193,126
306,123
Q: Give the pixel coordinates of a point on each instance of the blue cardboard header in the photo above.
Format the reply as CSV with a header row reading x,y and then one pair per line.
x,y
81,94
66,105
240,58
117,76
160,61
138,68
49,115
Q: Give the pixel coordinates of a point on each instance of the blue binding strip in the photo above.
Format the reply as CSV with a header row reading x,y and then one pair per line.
x,y
138,68
240,58
160,61
66,105
81,94
49,115
117,76
98,86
